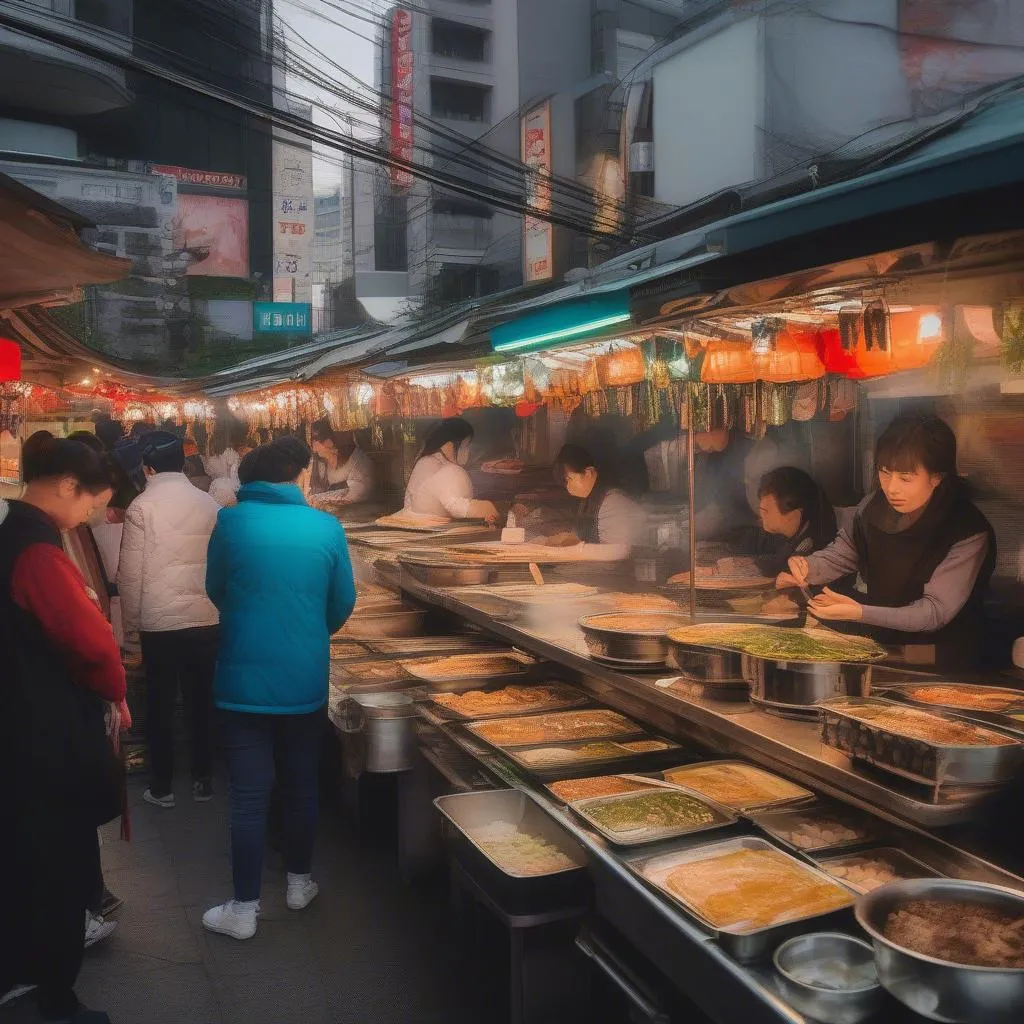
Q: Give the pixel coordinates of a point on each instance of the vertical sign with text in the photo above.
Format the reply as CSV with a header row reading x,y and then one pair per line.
x,y
401,97
538,255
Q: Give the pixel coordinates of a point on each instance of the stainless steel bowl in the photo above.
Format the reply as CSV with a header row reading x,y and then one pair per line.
x,y
938,989
384,621
646,646
819,956
438,574
803,683
705,664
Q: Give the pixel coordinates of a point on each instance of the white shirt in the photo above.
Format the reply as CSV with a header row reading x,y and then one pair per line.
x,y
438,487
620,520
357,472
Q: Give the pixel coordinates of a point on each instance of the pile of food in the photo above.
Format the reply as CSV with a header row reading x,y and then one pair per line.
x,y
564,725
518,852
662,809
508,701
777,643
504,467
866,871
644,746
735,785
408,521
747,890
640,603
924,726
817,832
465,666
571,790
959,932
970,698
584,753
346,650
653,623
371,672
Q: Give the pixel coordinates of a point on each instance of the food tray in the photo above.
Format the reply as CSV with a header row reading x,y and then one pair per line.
x,y
589,811
749,944
902,864
685,776
385,620
412,647
556,727
780,643
469,813
635,784
531,594
585,755
364,673
561,698
780,825
935,763
347,650
904,692
495,553
454,672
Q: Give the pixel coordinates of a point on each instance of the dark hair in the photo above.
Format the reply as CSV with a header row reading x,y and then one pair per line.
x,y
916,440
141,428
323,431
576,459
793,489
163,452
45,457
109,431
279,462
454,429
89,439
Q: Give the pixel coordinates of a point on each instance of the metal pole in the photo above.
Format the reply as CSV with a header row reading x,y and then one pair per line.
x,y
693,508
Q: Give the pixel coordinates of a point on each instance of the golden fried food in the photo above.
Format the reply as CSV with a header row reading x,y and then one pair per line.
x,y
597,785
739,786
653,622
975,699
645,746
563,725
509,700
463,666
747,890
925,726
641,603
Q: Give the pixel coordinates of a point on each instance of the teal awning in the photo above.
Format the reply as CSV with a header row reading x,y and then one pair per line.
x,y
564,323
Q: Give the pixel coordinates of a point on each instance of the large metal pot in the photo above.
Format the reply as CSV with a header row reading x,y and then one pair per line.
x,y
704,664
440,574
938,989
386,723
803,683
643,647
382,621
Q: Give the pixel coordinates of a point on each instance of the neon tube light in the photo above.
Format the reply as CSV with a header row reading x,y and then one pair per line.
x,y
564,334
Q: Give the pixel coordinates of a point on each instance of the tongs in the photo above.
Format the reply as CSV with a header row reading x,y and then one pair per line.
x,y
801,619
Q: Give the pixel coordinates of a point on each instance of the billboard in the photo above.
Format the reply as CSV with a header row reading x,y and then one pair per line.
x,y
201,179
214,232
294,225
538,254
401,96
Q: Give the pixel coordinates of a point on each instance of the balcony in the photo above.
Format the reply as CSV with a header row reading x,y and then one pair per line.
x,y
37,75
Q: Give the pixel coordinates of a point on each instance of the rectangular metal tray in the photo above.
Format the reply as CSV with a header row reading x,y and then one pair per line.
x,y
412,647
902,692
806,794
649,834
370,672
774,822
566,697
563,769
470,812
745,946
916,759
527,664
910,867
629,728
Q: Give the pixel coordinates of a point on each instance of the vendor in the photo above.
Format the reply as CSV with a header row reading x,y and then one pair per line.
x,y
720,501
342,471
440,487
922,548
606,515
796,518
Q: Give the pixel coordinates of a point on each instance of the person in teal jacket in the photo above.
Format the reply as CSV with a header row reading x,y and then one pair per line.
x,y
279,573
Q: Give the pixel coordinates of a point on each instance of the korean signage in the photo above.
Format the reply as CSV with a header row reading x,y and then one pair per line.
x,y
281,317
538,256
201,179
401,96
294,224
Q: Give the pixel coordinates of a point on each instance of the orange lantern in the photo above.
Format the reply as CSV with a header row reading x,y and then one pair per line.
x,y
10,360
728,362
622,368
793,358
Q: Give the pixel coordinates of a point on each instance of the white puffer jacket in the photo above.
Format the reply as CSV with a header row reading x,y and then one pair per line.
x,y
162,575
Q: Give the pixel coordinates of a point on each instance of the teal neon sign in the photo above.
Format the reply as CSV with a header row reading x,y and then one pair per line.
x,y
566,322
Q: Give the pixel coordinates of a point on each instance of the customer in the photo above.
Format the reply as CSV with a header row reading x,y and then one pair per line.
x,y
279,572
161,580
59,780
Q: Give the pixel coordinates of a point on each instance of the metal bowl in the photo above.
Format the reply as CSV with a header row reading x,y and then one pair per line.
x,y
646,646
819,956
439,574
803,683
384,621
705,664
938,989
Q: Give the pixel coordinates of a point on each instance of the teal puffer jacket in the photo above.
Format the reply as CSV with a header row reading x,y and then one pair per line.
x,y
279,573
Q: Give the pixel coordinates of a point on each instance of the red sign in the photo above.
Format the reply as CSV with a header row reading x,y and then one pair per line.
x,y
401,96
203,179
291,227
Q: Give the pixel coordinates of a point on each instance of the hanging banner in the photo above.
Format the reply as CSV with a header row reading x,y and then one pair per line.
x,y
293,221
538,255
401,96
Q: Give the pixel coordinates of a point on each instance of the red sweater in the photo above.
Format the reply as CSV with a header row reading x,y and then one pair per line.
x,y
46,584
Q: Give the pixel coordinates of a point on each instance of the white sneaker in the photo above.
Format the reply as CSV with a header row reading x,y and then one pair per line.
x,y
302,890
167,801
233,918
13,995
96,929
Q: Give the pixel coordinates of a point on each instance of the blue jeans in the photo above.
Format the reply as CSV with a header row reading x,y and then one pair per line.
x,y
250,743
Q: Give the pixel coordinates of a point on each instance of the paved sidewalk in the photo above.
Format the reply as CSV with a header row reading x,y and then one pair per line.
x,y
368,950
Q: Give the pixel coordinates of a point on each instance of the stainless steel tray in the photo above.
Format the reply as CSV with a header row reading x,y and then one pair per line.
x,y
627,730
383,621
650,834
906,866
461,683
379,672
777,823
468,813
412,647
916,759
903,693
565,697
805,794
618,760
745,945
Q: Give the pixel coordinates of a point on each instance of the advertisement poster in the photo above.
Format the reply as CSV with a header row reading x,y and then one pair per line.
x,y
294,225
538,257
214,231
401,96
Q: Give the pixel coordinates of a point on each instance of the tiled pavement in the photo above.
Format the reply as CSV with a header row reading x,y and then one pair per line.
x,y
369,949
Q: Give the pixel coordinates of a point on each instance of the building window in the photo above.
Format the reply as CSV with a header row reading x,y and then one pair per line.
x,y
457,101
459,42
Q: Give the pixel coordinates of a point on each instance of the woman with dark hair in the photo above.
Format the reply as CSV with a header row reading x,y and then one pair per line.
x,y
280,575
62,668
342,471
606,515
923,549
440,487
794,508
